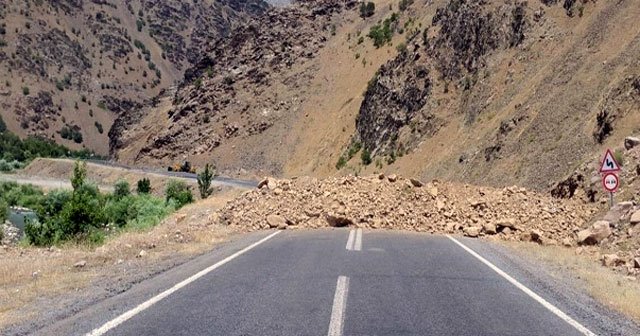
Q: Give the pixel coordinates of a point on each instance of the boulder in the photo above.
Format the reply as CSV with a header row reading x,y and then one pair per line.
x,y
452,226
282,226
142,254
630,142
610,260
636,262
180,218
506,223
599,231
416,183
276,221
635,218
567,242
268,182
80,264
472,231
536,236
432,190
392,178
489,228
338,220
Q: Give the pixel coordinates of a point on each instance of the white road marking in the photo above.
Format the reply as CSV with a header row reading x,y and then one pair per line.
x,y
527,291
350,240
358,244
336,325
133,312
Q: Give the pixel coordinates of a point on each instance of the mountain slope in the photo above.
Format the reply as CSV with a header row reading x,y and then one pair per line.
x,y
70,68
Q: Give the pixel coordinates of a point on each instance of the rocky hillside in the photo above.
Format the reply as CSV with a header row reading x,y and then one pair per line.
x,y
486,92
241,93
503,92
70,68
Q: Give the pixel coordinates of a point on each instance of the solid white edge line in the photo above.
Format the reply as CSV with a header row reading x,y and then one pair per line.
x,y
350,240
336,325
527,291
358,244
133,312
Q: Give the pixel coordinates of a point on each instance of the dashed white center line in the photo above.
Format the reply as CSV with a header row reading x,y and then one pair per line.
x,y
352,234
358,244
336,326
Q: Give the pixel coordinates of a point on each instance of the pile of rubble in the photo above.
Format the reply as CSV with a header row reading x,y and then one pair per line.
x,y
390,202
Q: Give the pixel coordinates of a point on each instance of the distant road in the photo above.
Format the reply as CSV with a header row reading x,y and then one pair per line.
x,y
228,181
349,282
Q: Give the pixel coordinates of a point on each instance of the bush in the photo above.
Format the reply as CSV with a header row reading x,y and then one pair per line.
x,y
99,127
25,90
366,157
179,193
8,166
618,155
4,211
144,186
79,175
204,181
26,196
404,4
3,126
367,9
121,190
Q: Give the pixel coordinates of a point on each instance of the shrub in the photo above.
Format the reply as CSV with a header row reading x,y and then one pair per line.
x,y
25,90
79,175
619,156
99,127
149,211
204,181
121,190
366,157
8,166
4,212
3,126
367,9
404,4
179,193
144,186
341,163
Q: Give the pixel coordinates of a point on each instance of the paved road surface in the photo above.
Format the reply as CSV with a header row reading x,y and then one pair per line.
x,y
349,282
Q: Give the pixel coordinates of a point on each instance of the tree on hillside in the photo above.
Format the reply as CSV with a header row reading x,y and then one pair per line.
x,y
204,181
79,175
144,186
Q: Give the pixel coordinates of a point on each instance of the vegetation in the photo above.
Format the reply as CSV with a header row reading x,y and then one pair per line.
x,y
84,214
382,34
618,155
13,149
367,9
144,186
365,156
25,90
353,149
99,127
178,193
71,133
204,181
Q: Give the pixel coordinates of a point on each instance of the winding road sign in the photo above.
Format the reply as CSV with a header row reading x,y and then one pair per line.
x,y
609,164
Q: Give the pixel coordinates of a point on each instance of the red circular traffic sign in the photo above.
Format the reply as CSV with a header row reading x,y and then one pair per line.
x,y
610,182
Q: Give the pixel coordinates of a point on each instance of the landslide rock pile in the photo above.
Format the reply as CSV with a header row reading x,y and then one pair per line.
x,y
391,202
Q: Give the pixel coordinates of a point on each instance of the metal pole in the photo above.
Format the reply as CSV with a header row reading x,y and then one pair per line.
x,y
611,199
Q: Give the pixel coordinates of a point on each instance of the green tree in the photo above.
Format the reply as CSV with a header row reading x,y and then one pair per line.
x,y
121,190
79,175
144,186
4,211
179,193
204,181
366,157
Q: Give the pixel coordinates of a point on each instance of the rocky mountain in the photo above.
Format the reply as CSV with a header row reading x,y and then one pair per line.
x,y
502,92
243,86
71,67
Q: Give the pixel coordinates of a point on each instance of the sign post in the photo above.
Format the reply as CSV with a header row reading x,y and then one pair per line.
x,y
610,181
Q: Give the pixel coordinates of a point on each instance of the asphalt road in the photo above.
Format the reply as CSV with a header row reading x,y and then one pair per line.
x,y
345,282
